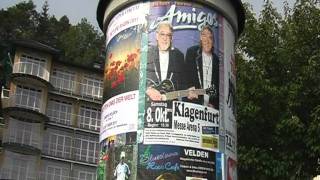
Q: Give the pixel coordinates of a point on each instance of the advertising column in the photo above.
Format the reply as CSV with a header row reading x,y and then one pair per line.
x,y
169,91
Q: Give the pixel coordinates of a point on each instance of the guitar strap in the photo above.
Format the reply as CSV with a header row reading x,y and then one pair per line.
x,y
170,78
155,69
198,70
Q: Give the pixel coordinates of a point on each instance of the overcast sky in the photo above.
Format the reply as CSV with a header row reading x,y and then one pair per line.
x,y
77,9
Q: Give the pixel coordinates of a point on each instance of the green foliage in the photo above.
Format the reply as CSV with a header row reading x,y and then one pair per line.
x,y
81,43
5,66
278,93
45,29
18,21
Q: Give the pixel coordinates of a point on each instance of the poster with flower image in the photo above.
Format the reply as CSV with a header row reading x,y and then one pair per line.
x,y
121,72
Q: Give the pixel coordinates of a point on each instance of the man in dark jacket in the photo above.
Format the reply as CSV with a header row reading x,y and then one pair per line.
x,y
165,63
203,68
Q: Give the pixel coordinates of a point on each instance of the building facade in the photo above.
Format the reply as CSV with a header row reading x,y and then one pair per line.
x,y
51,117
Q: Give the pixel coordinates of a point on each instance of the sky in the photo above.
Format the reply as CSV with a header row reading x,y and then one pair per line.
x,y
74,9
78,9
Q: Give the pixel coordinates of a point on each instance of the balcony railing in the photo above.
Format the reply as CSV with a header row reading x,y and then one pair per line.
x,y
24,101
67,118
63,85
23,137
64,118
70,153
83,125
91,91
17,174
75,88
1,124
31,69
60,151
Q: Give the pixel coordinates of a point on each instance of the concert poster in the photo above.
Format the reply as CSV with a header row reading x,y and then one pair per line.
x,y
119,113
169,82
176,162
186,113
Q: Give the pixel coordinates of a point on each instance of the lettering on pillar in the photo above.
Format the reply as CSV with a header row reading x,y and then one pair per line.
x,y
186,20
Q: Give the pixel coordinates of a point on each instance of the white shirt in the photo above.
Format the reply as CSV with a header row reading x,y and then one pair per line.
x,y
121,171
207,74
164,63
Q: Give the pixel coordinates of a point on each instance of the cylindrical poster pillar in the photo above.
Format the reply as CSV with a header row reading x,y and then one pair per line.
x,y
169,89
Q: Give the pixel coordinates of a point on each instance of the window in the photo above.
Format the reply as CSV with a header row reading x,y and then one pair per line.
x,y
63,80
56,173
20,169
91,87
54,170
32,65
18,166
83,175
28,97
86,148
89,118
84,172
58,143
24,133
32,59
59,111
5,93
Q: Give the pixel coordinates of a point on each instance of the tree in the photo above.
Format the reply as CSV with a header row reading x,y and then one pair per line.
x,y
81,43
57,29
49,29
19,21
43,26
278,93
43,31
64,24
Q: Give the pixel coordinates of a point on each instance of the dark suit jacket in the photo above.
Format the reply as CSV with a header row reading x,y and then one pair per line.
x,y
194,64
175,67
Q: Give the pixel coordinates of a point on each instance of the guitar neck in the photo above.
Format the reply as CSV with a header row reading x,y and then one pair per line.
x,y
183,93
